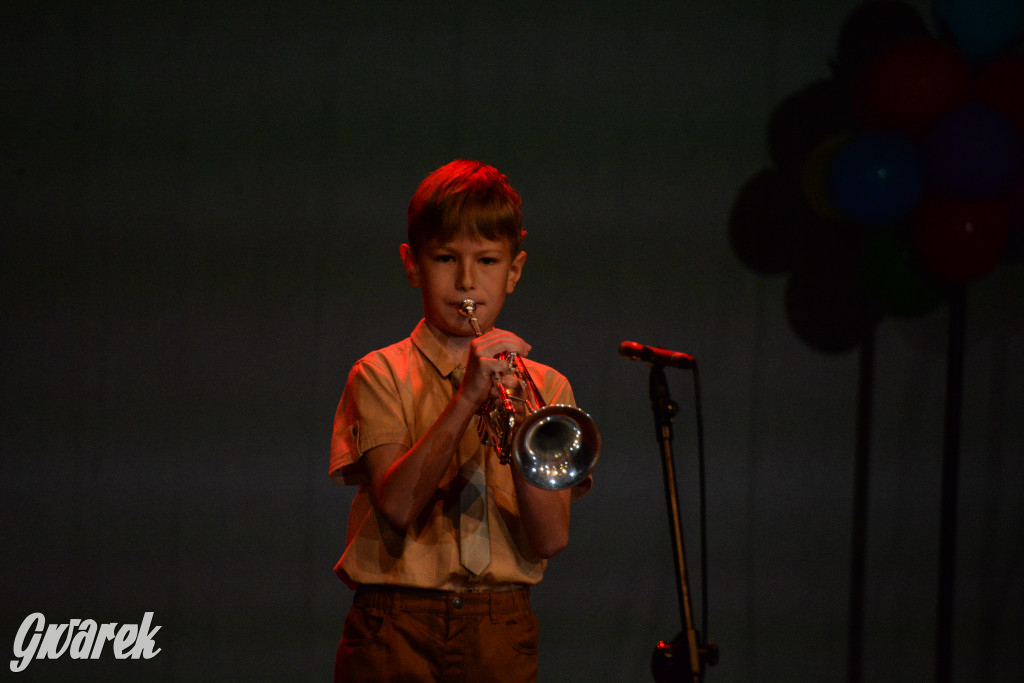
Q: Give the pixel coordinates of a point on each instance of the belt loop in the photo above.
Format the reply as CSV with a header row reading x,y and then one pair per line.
x,y
491,600
395,607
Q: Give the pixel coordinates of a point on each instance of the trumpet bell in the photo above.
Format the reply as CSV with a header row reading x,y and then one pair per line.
x,y
556,447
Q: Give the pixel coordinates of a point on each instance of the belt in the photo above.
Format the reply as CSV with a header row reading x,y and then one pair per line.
x,y
453,603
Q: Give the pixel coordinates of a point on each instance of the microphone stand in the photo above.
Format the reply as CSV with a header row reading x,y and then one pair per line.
x,y
665,661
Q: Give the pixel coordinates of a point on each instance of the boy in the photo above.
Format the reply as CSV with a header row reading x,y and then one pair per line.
x,y
443,542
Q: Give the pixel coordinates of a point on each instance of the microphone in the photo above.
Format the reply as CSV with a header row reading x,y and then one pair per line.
x,y
655,355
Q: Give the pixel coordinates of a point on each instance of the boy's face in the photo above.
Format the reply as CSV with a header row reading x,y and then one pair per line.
x,y
464,268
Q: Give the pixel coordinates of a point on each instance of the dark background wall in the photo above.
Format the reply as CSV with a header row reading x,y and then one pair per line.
x,y
202,206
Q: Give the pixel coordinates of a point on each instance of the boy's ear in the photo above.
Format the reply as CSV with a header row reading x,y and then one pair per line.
x,y
515,271
409,263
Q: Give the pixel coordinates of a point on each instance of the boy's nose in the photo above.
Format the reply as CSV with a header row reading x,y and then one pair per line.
x,y
464,277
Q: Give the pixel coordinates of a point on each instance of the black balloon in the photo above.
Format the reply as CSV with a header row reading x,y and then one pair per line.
x,y
804,120
869,30
828,307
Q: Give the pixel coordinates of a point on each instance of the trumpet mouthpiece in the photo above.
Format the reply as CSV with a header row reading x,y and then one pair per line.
x,y
467,309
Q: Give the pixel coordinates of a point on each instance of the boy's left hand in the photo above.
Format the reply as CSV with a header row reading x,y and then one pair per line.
x,y
483,365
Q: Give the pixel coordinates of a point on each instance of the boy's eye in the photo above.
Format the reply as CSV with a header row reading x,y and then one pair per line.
x,y
488,260
444,258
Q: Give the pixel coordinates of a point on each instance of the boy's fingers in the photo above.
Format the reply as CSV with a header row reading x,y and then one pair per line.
x,y
511,343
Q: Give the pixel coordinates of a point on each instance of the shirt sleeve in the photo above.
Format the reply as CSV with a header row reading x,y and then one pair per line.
x,y
368,415
554,387
562,392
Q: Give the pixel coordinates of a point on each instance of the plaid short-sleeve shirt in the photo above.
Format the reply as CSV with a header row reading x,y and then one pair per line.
x,y
393,396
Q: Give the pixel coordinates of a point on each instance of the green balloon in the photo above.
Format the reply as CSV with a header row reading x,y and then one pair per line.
x,y
894,279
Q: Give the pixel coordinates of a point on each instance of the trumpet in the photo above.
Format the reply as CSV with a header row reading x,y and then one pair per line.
x,y
554,447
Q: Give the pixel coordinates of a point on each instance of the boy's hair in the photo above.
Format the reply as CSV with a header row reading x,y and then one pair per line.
x,y
465,198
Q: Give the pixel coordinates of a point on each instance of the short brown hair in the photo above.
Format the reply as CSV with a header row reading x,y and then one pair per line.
x,y
465,198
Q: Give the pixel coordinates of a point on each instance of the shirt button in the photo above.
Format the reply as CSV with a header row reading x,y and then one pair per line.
x,y
457,603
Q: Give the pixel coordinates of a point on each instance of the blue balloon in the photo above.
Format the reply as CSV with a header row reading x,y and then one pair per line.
x,y
980,28
972,152
875,178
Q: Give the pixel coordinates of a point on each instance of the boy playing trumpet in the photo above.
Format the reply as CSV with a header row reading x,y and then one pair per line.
x,y
443,542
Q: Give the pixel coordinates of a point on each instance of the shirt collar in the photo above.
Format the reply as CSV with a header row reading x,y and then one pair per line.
x,y
430,347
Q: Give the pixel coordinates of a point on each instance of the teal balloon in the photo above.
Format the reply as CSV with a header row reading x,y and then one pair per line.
x,y
980,28
875,178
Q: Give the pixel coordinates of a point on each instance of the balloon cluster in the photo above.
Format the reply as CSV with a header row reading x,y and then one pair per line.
x,y
897,178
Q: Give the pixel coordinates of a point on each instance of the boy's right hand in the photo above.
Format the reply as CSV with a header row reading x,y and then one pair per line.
x,y
483,366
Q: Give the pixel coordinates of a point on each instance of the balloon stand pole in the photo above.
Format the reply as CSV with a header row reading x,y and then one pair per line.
x,y
861,472
950,471
668,663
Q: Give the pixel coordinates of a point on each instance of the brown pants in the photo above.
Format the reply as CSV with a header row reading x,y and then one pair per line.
x,y
402,634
